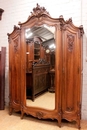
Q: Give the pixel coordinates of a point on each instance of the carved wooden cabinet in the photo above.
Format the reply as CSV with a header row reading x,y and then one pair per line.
x,y
34,51
40,78
68,67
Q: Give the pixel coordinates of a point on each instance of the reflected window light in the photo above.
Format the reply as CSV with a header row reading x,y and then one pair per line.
x,y
28,33
52,46
27,30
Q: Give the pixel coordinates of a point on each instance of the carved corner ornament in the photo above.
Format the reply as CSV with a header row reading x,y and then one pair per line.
x,y
1,11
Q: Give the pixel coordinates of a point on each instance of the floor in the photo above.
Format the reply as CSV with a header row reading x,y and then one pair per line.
x,y
45,100
14,122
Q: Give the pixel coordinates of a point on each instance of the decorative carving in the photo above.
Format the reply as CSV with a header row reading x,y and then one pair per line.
x,y
70,42
38,11
16,45
69,109
79,109
81,31
40,70
39,115
1,11
65,33
59,110
40,61
69,20
16,27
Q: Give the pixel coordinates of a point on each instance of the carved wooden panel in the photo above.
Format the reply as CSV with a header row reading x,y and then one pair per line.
x,y
40,79
15,69
70,42
71,75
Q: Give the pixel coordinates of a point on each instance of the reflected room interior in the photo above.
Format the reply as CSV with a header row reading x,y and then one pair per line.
x,y
40,66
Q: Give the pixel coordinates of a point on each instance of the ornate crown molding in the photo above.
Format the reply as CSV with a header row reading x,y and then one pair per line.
x,y
39,11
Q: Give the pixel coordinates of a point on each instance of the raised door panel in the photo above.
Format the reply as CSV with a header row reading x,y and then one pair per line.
x,y
71,76
15,72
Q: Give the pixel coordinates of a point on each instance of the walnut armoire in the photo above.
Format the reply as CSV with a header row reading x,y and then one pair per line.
x,y
68,68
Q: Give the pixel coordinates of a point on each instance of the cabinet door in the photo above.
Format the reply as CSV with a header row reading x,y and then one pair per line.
x,y
71,84
15,70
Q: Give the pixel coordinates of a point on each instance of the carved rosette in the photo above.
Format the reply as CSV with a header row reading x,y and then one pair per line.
x,y
70,42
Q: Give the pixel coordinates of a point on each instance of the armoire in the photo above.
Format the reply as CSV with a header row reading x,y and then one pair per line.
x,y
31,56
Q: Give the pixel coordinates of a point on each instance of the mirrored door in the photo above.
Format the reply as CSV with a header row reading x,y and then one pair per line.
x,y
40,67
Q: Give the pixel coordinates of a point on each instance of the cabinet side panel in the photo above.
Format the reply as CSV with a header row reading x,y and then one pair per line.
x,y
14,72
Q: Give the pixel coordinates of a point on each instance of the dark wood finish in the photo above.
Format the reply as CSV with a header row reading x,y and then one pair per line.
x,y
40,78
34,57
1,11
37,81
2,77
15,70
52,81
68,41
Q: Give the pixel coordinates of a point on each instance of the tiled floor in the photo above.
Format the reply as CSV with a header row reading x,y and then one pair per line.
x,y
14,122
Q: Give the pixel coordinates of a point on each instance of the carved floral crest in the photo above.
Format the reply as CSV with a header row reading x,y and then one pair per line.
x,y
39,10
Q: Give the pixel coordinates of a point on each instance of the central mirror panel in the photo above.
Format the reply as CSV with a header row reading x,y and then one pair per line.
x,y
40,66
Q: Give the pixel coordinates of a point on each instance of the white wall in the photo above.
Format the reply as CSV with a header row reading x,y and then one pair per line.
x,y
19,10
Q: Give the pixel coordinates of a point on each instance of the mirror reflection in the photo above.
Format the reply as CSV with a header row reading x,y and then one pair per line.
x,y
40,67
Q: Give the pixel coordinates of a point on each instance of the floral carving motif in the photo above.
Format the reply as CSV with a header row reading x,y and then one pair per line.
x,y
69,108
16,45
39,10
39,115
70,42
